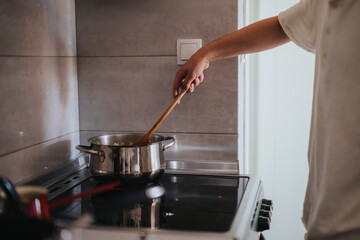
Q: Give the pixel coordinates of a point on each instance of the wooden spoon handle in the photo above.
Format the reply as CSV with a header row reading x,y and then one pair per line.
x,y
168,110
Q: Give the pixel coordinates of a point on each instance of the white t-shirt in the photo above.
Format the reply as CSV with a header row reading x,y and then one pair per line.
x,y
331,30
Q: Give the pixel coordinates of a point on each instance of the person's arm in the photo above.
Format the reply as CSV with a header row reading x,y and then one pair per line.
x,y
256,37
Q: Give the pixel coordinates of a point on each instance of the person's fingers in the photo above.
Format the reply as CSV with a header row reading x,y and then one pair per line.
x,y
201,77
206,66
175,88
190,77
196,82
177,82
191,88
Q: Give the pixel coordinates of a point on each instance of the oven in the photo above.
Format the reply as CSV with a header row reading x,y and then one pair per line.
x,y
179,205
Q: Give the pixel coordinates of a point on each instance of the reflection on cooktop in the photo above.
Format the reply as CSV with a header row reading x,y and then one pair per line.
x,y
182,202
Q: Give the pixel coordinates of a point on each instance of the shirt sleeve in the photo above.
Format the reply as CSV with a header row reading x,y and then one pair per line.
x,y
299,24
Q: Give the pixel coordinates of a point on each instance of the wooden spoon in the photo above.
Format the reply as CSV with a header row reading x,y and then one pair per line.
x,y
146,138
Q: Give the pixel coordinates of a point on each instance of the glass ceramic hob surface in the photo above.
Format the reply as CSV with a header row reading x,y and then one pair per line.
x,y
176,201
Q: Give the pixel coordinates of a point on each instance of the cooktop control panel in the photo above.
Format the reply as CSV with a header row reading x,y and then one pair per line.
x,y
262,215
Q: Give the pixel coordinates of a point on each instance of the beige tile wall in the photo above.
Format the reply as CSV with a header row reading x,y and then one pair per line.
x,y
38,86
149,27
37,28
116,95
127,62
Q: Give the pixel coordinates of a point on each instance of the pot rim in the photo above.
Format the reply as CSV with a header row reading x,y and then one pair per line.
x,y
125,146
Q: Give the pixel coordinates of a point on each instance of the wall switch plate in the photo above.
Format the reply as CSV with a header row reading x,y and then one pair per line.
x,y
186,48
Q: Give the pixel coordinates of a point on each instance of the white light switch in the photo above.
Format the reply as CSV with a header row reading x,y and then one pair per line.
x,y
186,48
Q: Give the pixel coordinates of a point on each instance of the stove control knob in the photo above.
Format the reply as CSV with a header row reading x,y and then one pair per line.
x,y
266,202
263,224
264,213
266,207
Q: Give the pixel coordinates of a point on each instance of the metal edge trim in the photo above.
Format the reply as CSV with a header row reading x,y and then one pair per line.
x,y
79,162
208,166
242,221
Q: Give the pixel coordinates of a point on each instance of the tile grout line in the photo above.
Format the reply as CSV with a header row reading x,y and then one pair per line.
x,y
190,133
129,56
39,143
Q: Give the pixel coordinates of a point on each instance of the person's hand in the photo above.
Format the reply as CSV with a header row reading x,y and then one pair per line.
x,y
190,74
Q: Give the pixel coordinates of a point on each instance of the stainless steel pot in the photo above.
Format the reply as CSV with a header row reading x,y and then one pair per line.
x,y
129,164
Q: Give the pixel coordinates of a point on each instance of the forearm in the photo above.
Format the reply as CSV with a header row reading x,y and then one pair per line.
x,y
256,37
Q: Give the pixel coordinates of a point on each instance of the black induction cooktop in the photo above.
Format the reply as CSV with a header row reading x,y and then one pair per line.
x,y
176,201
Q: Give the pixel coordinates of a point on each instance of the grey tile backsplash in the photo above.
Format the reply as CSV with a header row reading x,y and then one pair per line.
x,y
149,27
22,165
127,63
40,100
37,28
108,66
38,86
130,94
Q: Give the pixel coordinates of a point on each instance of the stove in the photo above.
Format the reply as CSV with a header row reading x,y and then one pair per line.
x,y
177,206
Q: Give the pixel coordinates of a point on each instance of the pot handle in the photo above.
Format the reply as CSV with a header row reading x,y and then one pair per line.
x,y
172,142
91,151
12,198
